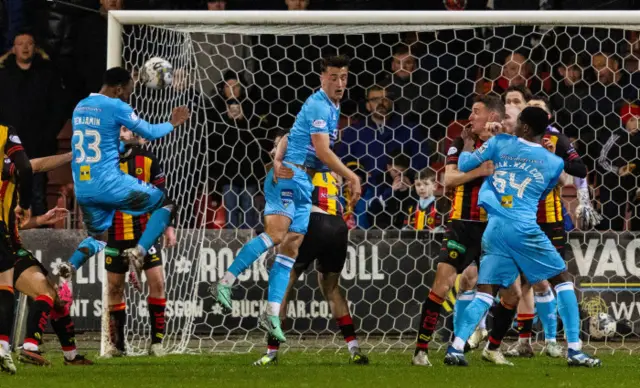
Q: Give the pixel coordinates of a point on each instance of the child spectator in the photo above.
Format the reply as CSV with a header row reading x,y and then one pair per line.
x,y
426,212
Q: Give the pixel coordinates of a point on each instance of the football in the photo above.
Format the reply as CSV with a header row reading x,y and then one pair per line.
x,y
602,326
157,73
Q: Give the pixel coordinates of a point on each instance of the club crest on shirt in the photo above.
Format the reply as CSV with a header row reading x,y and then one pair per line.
x,y
287,197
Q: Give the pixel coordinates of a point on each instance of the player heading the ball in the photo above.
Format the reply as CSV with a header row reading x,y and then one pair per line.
x,y
101,187
288,200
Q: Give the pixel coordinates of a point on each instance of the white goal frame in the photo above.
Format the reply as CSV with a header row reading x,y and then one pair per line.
x,y
404,20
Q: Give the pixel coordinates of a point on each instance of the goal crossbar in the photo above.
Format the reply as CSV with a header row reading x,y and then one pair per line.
x,y
441,18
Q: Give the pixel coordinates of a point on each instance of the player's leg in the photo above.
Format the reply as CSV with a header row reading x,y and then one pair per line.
x,y
332,247
306,255
457,251
64,327
526,314
32,282
116,267
7,302
288,251
137,198
503,315
278,280
278,215
273,344
539,260
156,301
97,220
496,269
547,308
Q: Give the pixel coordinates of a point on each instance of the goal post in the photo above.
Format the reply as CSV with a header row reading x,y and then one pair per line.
x,y
246,73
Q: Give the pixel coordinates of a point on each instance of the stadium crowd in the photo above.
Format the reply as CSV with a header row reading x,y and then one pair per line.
x,y
409,95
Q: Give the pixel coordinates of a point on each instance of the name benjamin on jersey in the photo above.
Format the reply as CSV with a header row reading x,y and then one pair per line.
x,y
86,120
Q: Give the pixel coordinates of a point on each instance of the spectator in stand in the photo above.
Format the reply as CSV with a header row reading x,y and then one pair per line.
x,y
606,96
90,54
215,52
297,5
616,165
517,70
568,96
393,196
33,101
427,211
380,137
517,95
407,86
237,155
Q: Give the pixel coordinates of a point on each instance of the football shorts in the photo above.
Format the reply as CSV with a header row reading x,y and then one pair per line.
x,y
116,262
130,195
461,243
558,236
24,260
511,247
326,241
290,198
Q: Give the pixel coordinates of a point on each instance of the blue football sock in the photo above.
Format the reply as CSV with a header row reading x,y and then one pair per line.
x,y
547,311
569,313
249,253
464,300
156,225
87,248
472,316
278,282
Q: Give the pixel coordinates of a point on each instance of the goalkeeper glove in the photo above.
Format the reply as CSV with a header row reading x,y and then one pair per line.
x,y
587,216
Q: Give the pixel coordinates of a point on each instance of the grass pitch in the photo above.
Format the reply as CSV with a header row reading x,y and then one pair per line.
x,y
324,369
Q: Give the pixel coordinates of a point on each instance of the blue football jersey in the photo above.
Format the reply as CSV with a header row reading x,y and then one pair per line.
x,y
318,115
96,139
525,172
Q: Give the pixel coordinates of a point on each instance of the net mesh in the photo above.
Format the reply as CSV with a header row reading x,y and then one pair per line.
x,y
244,83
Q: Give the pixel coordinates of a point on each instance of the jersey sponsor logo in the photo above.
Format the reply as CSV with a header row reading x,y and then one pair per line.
x,y
85,173
15,139
452,151
454,245
22,253
319,124
287,197
507,201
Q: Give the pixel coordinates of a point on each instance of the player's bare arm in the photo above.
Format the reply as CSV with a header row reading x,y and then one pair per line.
x,y
49,218
279,169
321,144
49,163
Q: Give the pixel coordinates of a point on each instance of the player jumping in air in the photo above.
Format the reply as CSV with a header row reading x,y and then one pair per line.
x,y
123,234
30,276
326,241
288,201
513,242
464,228
101,188
12,148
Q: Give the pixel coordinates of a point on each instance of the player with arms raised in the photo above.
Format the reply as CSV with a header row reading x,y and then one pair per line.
x,y
101,187
289,202
513,242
